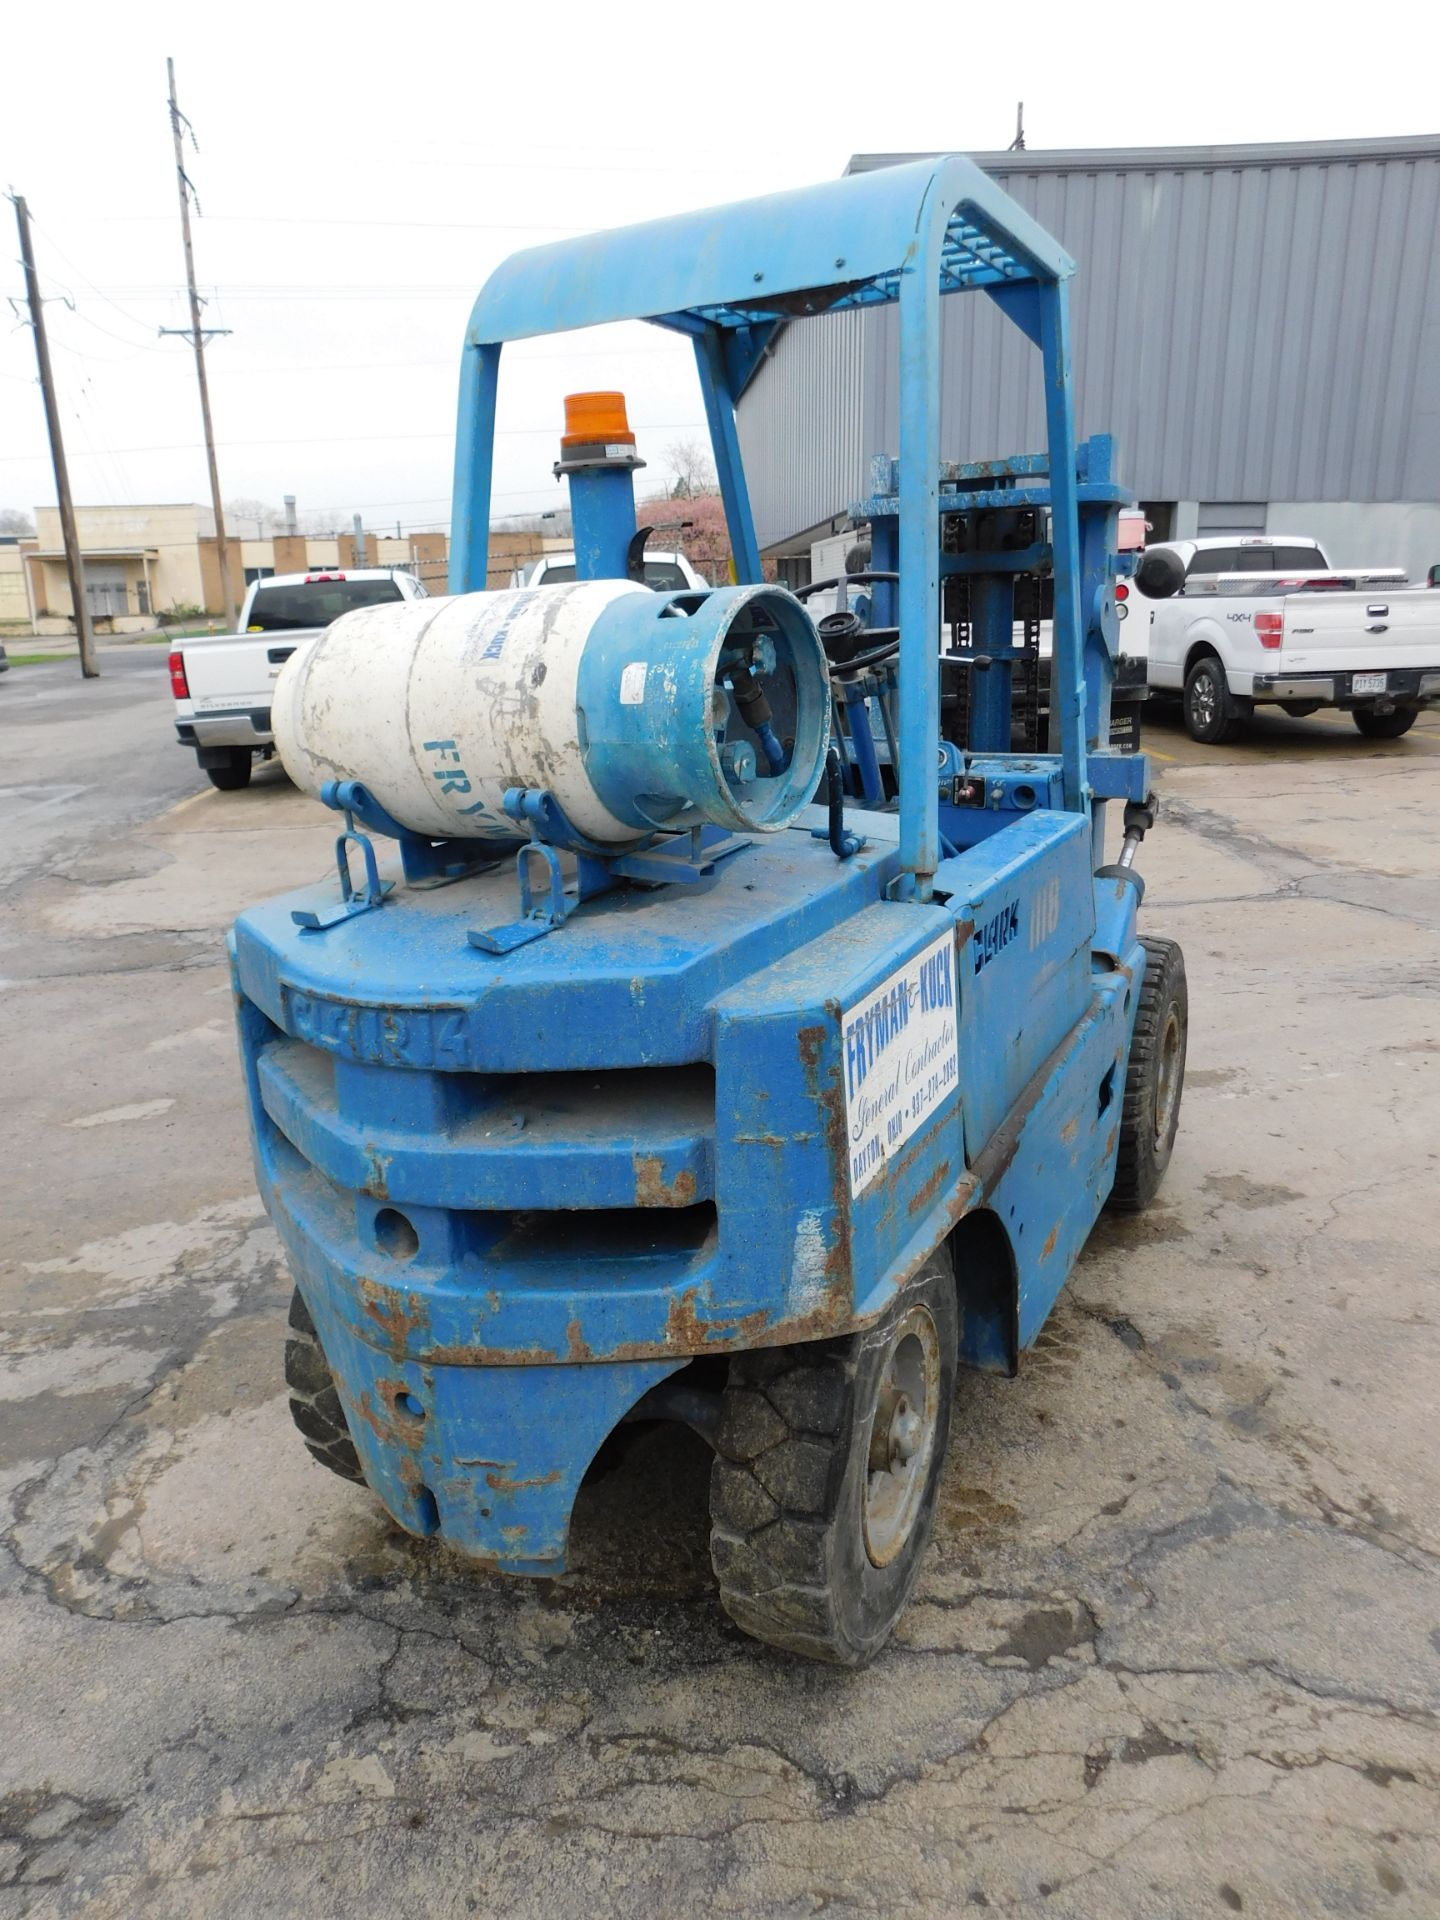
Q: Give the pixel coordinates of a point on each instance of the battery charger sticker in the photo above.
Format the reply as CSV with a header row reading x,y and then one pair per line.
x,y
901,1058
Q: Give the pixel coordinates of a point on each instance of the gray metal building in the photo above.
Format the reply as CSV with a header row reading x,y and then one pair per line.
x,y
1259,327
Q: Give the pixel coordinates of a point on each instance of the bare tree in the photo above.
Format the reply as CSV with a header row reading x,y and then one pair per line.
x,y
247,519
689,461
14,520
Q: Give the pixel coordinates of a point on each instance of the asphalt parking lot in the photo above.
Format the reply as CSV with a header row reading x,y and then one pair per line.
x,y
1177,1648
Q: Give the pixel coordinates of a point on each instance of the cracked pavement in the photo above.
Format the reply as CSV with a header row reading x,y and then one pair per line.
x,y
1176,1650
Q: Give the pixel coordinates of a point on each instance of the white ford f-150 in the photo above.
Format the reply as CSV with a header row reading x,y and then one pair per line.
x,y
1230,623
222,682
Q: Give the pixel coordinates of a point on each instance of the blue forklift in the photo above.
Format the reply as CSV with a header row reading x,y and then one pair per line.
x,y
725,1041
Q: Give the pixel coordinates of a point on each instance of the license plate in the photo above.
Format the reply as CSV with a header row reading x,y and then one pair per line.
x,y
1368,683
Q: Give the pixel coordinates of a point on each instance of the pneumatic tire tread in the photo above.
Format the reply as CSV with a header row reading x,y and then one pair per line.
x,y
784,1540
1141,1159
314,1403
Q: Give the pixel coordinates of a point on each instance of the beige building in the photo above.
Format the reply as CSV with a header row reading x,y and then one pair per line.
x,y
149,564
14,602
139,562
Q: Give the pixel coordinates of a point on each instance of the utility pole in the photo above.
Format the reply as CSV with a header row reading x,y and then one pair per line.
x,y
197,336
73,563
1017,145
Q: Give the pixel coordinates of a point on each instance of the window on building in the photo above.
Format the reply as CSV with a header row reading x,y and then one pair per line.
x,y
1231,516
252,574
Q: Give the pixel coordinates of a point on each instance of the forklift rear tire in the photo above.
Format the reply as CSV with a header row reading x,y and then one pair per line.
x,y
1211,710
1383,726
828,1457
314,1404
1154,1079
234,774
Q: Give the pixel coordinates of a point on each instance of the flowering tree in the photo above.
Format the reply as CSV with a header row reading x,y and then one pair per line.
x,y
704,539
705,542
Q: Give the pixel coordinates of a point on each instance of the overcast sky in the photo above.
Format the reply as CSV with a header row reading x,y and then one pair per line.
x,y
362,169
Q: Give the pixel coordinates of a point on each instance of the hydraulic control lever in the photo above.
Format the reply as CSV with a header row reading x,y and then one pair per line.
x,y
1139,818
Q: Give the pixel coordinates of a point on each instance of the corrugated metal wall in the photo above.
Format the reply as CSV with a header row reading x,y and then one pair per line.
x,y
1268,329
805,453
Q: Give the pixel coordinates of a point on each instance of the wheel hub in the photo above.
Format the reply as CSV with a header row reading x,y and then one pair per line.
x,y
902,1435
1167,1078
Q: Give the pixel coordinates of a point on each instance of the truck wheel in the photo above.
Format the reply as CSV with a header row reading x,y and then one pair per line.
x,y
828,1456
1154,1079
1383,726
234,774
314,1404
1210,711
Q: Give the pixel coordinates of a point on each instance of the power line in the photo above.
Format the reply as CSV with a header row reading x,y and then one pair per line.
x,y
569,166
357,289
134,345
329,220
657,352
388,439
54,245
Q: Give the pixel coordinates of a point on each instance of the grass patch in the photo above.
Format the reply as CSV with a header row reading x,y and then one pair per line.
x,y
37,659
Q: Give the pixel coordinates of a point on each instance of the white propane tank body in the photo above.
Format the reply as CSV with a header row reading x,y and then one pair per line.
x,y
463,698
613,699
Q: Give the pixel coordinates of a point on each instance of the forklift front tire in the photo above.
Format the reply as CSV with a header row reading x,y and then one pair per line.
x,y
828,1458
314,1404
1154,1079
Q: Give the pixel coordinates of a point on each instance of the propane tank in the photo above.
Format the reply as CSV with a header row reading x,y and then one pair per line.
x,y
636,710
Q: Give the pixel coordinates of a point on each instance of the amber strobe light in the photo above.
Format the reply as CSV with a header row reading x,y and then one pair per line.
x,y
596,419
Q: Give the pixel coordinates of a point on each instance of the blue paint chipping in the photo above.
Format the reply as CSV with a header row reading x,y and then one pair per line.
x,y
636,1134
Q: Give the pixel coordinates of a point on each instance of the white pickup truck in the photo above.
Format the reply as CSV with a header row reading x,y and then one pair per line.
x,y
222,682
665,572
1229,623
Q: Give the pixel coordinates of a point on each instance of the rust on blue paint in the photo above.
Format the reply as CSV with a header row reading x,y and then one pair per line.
x,y
521,1187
